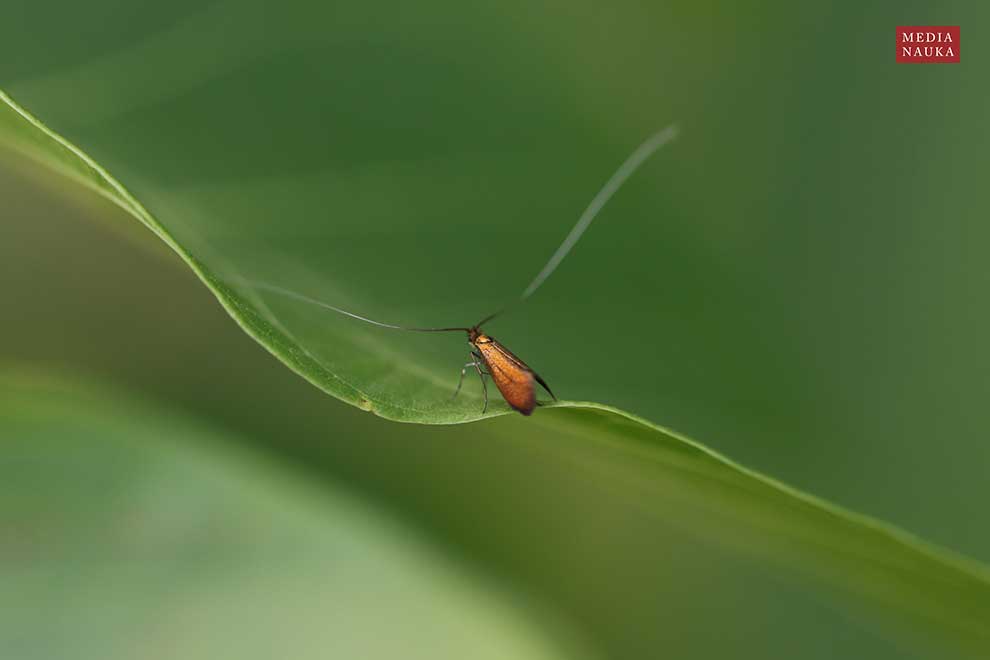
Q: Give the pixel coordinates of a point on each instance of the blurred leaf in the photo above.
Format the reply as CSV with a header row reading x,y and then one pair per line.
x,y
129,531
247,181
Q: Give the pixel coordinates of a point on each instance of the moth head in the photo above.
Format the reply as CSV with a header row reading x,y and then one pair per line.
x,y
476,336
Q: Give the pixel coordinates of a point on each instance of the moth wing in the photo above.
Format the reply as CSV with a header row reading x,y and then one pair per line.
x,y
511,375
522,365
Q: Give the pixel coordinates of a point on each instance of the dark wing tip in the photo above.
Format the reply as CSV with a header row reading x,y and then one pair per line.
x,y
544,384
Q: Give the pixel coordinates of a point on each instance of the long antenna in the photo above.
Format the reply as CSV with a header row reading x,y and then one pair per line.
x,y
626,170
262,286
649,147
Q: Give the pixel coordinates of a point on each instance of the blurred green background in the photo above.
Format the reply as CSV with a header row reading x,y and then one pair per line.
x,y
797,282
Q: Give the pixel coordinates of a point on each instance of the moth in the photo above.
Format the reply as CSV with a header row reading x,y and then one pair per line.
x,y
515,380
513,377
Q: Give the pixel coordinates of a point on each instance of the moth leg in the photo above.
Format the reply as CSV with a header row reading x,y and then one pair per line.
x,y
460,382
484,386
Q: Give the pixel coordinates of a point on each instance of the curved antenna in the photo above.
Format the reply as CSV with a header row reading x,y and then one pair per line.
x,y
262,286
488,318
649,147
632,163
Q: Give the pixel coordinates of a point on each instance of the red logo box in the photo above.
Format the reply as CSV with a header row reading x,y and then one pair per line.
x,y
928,44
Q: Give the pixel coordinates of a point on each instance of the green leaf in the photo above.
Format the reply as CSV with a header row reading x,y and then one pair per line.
x,y
378,370
130,531
276,156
